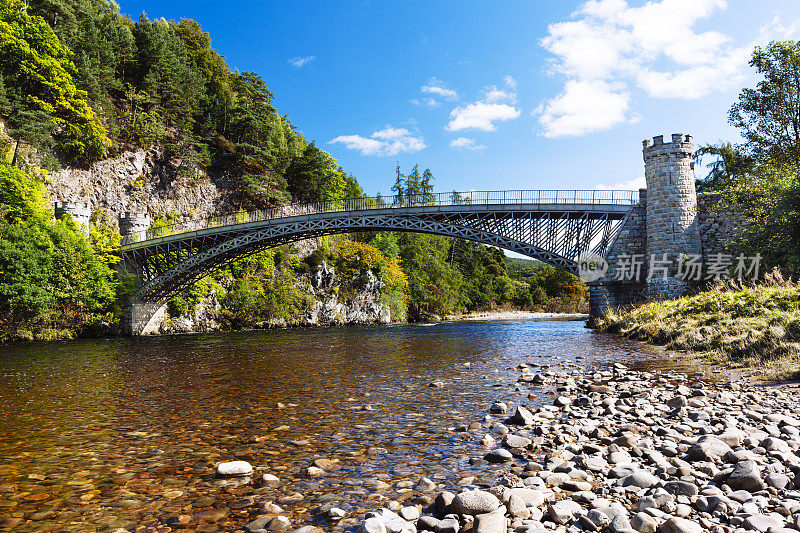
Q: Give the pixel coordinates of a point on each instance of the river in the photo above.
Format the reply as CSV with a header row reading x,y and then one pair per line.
x,y
126,433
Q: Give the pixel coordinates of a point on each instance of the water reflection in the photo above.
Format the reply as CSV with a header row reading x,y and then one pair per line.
x,y
87,425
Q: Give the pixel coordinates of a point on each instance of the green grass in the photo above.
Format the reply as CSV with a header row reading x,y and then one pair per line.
x,y
756,327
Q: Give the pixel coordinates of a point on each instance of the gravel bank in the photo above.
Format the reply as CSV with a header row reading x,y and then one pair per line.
x,y
625,451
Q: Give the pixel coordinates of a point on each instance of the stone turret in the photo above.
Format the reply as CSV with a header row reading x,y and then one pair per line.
x,y
81,213
133,223
672,226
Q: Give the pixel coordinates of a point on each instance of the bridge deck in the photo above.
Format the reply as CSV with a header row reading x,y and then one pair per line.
x,y
579,202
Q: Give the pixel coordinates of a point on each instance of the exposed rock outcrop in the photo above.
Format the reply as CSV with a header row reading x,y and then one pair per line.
x,y
366,307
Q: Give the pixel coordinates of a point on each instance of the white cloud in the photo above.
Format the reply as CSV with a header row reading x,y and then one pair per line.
x,y
300,62
494,95
385,142
481,116
495,106
425,102
463,143
630,185
438,88
609,48
584,107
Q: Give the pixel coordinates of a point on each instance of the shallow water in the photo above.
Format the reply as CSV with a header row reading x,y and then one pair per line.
x,y
125,433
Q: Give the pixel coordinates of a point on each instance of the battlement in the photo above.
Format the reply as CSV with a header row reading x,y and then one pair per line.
x,y
127,215
131,223
81,213
679,145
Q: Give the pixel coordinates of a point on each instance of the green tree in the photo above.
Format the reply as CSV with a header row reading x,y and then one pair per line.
x,y
31,54
426,186
770,203
315,176
728,167
166,74
768,117
399,187
51,282
34,126
21,196
433,285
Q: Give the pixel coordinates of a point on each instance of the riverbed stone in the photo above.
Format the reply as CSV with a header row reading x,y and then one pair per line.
x,y
643,523
474,502
448,525
372,525
499,456
279,523
521,416
494,522
234,469
564,511
708,448
746,476
516,441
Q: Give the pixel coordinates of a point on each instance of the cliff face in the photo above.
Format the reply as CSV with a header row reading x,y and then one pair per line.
x,y
145,181
325,309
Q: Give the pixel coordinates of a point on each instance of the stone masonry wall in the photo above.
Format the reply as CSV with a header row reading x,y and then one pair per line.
x,y
671,196
610,292
718,222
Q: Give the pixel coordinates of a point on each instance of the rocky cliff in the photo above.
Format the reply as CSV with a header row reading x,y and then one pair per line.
x,y
144,181
325,307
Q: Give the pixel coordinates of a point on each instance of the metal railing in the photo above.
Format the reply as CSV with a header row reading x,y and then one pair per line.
x,y
447,199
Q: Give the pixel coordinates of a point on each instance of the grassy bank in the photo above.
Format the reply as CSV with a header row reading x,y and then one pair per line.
x,y
753,327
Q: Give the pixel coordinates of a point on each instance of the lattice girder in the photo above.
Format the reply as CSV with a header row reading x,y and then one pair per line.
x,y
163,267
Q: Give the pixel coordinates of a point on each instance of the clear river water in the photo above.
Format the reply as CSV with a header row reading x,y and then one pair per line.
x,y
125,433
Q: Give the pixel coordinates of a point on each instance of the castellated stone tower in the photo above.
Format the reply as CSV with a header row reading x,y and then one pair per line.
x,y
80,213
132,223
672,226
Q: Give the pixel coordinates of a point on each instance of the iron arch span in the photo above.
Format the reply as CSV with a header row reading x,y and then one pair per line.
x,y
556,232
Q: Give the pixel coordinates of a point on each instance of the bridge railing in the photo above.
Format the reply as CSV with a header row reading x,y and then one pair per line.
x,y
445,199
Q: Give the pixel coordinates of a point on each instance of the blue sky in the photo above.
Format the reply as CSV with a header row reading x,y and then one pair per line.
x,y
524,94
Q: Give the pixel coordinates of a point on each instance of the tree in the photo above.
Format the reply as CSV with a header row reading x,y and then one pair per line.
x,y
31,54
730,166
34,126
768,116
315,176
426,186
398,188
166,74
413,186
770,203
21,196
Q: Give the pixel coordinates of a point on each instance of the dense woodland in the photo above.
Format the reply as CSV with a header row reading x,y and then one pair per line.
x,y
80,82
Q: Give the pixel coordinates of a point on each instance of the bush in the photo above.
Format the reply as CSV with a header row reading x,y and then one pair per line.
x,y
52,284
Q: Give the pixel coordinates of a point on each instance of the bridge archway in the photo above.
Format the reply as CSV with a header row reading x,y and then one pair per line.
x,y
554,233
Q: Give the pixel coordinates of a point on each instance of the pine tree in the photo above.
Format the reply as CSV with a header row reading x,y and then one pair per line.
x,y
426,186
399,185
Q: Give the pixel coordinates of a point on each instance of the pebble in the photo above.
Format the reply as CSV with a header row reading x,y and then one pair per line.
x,y
234,469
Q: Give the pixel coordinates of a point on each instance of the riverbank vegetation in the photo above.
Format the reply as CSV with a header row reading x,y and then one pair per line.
x,y
54,280
740,326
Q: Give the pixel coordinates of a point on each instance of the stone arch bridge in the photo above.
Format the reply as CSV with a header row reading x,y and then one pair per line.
x,y
555,227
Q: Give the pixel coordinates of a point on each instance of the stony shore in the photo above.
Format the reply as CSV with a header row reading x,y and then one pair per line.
x,y
624,451
485,316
